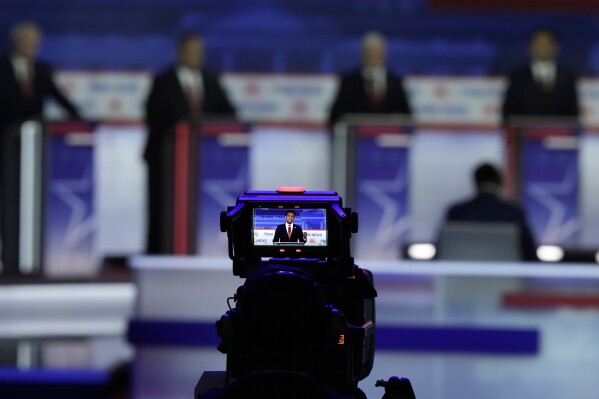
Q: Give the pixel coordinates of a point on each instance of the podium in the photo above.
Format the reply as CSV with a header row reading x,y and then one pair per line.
x,y
47,195
370,171
400,176
197,162
22,189
544,175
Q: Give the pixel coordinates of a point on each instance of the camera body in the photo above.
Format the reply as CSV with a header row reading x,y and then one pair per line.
x,y
249,242
304,279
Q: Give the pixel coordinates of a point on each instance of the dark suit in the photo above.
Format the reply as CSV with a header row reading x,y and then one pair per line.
x,y
526,97
16,108
353,98
281,235
165,107
487,207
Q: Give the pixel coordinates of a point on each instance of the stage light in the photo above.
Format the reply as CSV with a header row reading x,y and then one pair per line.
x,y
424,251
550,253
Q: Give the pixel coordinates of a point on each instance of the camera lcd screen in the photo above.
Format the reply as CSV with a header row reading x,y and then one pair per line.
x,y
290,227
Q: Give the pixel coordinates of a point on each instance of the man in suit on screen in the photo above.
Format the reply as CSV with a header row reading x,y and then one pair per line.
x,y
183,91
543,87
371,89
289,231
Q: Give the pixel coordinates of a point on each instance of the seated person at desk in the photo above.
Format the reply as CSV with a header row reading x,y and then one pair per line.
x,y
288,231
488,206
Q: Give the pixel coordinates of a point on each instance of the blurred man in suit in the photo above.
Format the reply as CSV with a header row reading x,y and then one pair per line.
x,y
542,87
371,89
289,231
184,91
488,206
25,84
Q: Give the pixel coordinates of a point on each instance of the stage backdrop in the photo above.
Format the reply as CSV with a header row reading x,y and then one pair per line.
x,y
117,200
306,99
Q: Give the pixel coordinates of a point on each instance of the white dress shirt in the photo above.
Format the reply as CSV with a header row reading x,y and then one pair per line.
x,y
190,81
22,67
377,76
544,72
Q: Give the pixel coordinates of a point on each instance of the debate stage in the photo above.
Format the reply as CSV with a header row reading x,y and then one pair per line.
x,y
457,330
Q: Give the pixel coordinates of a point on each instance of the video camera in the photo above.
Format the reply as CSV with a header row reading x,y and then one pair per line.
x,y
251,228
305,305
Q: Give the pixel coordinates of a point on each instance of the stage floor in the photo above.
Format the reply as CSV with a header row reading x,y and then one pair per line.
x,y
83,326
459,305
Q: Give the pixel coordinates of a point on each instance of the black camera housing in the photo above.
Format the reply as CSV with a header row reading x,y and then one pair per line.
x,y
347,291
341,222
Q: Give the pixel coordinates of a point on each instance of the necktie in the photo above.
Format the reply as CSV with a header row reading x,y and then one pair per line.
x,y
27,83
544,78
376,95
192,92
542,82
289,232
195,104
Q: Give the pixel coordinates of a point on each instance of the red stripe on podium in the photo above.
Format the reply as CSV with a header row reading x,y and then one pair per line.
x,y
218,128
512,163
68,127
549,300
181,180
375,130
548,131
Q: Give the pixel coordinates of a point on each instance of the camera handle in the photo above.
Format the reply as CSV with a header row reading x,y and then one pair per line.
x,y
396,388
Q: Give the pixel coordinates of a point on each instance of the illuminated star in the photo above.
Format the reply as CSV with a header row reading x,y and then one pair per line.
x,y
557,228
225,191
81,222
392,225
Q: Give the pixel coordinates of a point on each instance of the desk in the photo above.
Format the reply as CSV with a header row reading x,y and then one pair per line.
x,y
432,296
